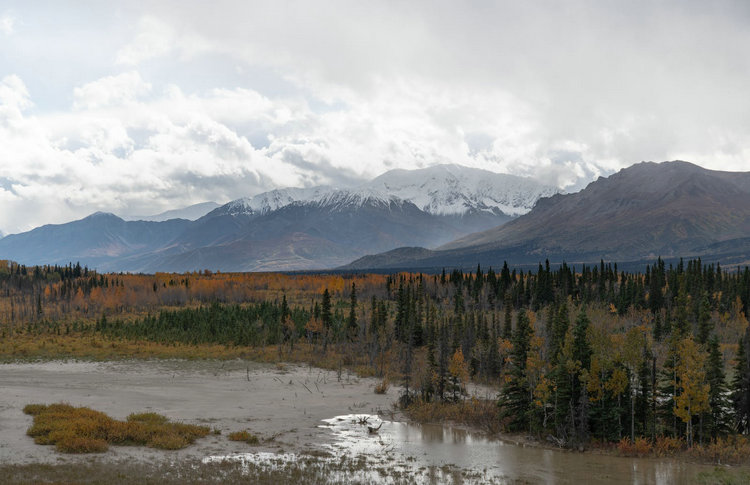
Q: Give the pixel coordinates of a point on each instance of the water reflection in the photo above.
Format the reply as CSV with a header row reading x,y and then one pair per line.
x,y
432,445
434,454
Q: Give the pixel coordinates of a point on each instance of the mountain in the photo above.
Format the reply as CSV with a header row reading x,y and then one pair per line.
x,y
95,239
458,190
322,233
190,213
291,228
671,209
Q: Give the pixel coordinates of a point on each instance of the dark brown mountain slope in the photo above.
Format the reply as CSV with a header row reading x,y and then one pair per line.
x,y
668,209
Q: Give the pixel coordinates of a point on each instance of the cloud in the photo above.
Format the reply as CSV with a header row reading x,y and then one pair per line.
x,y
7,24
188,101
156,38
129,150
14,98
111,90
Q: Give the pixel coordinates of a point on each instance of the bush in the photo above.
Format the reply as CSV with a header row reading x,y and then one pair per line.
x,y
84,430
382,386
471,412
245,436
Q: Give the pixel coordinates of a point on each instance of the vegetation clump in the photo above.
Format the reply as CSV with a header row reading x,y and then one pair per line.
x,y
245,436
84,430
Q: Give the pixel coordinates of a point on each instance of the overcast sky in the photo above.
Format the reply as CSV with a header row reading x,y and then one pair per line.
x,y
135,109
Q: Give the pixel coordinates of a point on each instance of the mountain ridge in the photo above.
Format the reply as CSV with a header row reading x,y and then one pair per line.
x,y
644,211
283,229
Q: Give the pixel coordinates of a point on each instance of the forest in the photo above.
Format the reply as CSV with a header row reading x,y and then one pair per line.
x,y
572,355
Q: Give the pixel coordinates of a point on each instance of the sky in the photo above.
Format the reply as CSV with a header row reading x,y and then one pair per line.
x,y
139,107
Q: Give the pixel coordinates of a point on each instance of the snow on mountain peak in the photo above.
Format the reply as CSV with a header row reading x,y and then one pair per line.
x,y
440,190
453,189
273,200
355,197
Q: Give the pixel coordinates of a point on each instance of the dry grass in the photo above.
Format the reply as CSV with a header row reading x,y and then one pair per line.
x,y
245,436
382,386
732,450
479,413
308,470
88,347
84,430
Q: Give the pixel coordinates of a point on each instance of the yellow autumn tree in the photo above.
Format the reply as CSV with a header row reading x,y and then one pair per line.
x,y
459,373
694,388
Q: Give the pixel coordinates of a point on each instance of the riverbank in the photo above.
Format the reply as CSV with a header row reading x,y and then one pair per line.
x,y
308,424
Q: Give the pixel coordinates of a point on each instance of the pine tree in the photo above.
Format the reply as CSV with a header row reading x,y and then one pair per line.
x,y
741,387
705,325
508,318
325,310
717,400
515,402
351,322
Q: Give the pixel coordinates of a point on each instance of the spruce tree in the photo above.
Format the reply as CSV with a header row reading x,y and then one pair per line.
x,y
508,319
351,322
717,419
741,387
515,402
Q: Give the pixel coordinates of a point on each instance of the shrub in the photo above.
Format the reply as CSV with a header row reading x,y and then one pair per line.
x,y
84,430
147,418
382,386
245,436
169,441
81,444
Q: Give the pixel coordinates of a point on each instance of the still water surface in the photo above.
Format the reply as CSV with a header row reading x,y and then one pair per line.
x,y
437,453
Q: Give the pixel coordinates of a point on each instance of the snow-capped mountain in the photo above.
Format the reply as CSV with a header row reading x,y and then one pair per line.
x,y
342,199
456,190
447,190
272,200
293,228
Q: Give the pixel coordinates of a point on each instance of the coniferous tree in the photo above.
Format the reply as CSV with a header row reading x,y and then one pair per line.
x,y
717,400
351,322
508,318
741,387
516,398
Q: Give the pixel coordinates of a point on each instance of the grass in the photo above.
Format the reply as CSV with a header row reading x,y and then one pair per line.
x,y
478,413
382,386
245,436
305,469
23,347
731,450
84,430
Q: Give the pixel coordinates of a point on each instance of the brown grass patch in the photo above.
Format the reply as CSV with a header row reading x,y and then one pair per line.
x,y
382,386
84,430
479,413
245,436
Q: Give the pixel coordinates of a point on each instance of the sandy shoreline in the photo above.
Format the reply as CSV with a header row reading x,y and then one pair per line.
x,y
288,403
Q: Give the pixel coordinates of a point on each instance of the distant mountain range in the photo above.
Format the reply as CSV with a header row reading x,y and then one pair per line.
x,y
671,209
190,213
292,228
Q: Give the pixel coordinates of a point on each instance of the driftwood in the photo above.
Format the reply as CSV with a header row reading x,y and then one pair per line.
x,y
373,429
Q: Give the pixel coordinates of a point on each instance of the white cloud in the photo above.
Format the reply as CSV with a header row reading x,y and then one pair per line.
x,y
224,99
157,38
154,39
111,90
7,24
14,98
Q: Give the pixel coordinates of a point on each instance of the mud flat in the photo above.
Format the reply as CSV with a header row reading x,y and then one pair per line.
x,y
283,406
312,425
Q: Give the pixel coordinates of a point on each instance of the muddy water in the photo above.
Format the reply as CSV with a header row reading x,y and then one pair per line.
x,y
437,446
300,412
